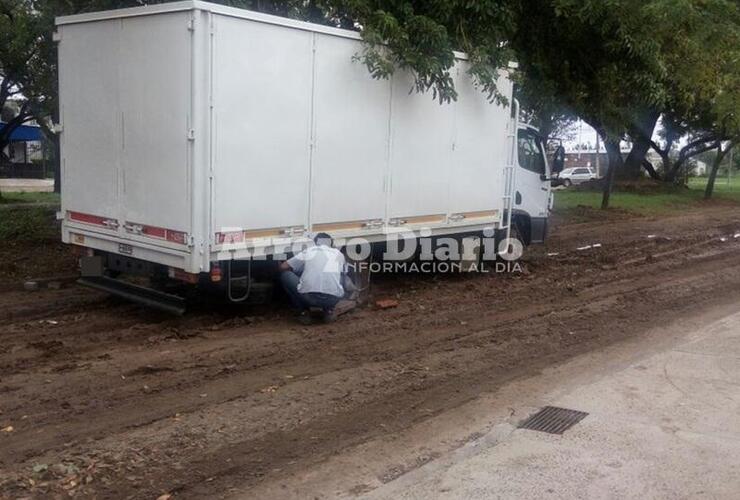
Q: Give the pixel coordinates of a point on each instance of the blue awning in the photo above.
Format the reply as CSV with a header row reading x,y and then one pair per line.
x,y
25,133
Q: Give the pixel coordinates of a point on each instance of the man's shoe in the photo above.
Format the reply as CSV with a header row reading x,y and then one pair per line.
x,y
330,316
305,318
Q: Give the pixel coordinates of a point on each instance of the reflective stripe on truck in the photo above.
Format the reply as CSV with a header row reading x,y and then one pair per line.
x,y
160,233
95,220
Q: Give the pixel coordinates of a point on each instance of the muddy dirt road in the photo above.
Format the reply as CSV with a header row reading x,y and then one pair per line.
x,y
100,398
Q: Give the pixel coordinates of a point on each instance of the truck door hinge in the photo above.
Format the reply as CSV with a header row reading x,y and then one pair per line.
x,y
191,24
191,134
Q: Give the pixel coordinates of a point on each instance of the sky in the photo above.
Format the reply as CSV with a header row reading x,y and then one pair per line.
x,y
581,133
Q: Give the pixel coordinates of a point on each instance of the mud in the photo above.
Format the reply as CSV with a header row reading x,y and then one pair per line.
x,y
110,400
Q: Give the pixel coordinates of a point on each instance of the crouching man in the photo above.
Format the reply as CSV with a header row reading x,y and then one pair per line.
x,y
313,278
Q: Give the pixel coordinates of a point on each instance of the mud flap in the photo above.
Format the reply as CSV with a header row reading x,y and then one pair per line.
x,y
538,230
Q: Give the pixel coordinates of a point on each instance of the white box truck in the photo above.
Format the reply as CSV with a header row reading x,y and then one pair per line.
x,y
195,135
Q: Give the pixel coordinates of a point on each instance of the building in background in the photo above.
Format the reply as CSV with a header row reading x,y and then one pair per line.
x,y
25,153
585,155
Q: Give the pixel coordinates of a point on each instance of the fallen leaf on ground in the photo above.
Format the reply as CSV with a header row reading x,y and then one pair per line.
x,y
7,429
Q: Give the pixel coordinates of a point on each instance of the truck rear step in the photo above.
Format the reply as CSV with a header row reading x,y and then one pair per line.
x,y
139,294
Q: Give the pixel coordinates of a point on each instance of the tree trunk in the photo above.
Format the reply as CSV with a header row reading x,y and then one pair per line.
x,y
651,170
687,152
633,163
715,168
669,169
641,135
615,163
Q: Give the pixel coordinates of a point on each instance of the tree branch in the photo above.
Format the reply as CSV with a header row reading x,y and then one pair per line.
x,y
658,149
23,116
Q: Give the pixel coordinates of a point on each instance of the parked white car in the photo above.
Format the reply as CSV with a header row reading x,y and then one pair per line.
x,y
576,175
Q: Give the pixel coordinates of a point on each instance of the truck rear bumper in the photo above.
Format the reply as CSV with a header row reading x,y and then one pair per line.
x,y
113,244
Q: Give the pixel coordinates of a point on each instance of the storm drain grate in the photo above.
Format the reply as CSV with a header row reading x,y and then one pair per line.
x,y
553,420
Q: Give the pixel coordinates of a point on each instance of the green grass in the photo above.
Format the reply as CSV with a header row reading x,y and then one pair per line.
x,y
722,189
653,199
28,223
16,197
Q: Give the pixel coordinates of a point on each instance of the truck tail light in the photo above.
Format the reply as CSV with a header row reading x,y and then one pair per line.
x,y
215,274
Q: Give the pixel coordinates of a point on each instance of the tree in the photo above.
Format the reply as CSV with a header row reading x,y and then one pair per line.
x,y
618,64
19,60
621,64
704,62
676,157
640,131
28,67
551,117
422,36
599,59
722,151
725,111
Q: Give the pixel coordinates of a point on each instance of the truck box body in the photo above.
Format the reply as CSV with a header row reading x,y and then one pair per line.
x,y
194,133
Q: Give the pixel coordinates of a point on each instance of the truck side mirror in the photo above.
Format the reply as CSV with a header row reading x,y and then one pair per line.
x,y
558,160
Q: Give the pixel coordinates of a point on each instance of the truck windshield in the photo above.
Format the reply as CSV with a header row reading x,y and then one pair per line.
x,y
530,152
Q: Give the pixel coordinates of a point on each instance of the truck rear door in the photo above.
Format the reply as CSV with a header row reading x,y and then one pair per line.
x,y
92,125
155,62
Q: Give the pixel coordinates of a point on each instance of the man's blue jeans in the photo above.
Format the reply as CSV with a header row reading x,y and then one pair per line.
x,y
303,301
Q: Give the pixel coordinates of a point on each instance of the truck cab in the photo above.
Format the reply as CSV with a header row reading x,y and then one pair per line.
x,y
532,192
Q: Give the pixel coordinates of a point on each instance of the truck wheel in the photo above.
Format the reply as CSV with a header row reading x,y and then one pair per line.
x,y
567,183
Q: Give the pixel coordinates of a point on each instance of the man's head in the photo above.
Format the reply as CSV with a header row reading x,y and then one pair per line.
x,y
323,239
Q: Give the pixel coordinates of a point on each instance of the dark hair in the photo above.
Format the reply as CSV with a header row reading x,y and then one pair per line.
x,y
323,239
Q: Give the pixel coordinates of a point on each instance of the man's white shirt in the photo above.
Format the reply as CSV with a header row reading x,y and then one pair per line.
x,y
321,269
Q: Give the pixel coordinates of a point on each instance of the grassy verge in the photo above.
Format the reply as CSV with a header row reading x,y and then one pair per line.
x,y
28,224
650,199
722,188
30,245
15,197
